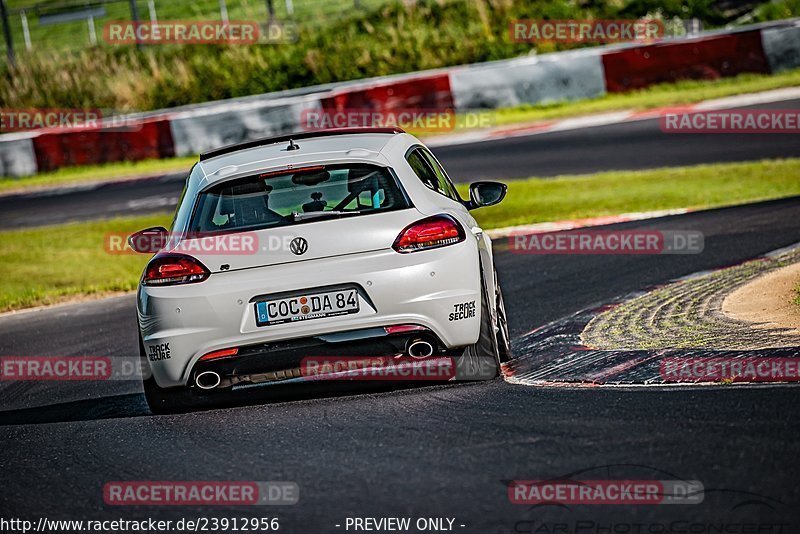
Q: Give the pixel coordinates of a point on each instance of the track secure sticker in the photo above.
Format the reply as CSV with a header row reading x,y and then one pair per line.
x,y
159,352
464,310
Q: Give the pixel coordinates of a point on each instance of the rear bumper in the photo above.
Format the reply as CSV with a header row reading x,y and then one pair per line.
x,y
179,324
283,360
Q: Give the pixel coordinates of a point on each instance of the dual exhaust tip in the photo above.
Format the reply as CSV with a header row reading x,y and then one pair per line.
x,y
208,380
419,348
416,348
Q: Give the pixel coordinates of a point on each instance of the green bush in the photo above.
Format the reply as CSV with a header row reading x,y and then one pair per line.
x,y
394,38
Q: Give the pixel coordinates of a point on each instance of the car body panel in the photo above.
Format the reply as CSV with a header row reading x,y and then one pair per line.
x,y
325,238
419,288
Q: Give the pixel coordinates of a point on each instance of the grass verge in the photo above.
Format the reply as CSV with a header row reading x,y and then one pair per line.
x,y
610,193
97,173
56,263
52,264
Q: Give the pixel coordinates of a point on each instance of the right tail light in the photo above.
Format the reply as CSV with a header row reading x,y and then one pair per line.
x,y
433,232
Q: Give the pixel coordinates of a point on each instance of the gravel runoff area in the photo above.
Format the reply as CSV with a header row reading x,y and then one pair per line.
x,y
691,313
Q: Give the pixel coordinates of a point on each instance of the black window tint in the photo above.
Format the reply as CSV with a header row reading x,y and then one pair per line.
x,y
423,170
273,200
445,186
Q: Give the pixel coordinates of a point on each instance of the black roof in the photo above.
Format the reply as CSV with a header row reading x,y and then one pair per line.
x,y
294,137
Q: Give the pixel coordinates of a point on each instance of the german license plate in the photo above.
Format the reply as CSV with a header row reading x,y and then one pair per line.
x,y
306,307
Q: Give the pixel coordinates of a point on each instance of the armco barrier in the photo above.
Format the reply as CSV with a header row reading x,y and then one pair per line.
x,y
702,58
569,75
16,155
197,131
416,92
145,140
529,80
194,132
782,47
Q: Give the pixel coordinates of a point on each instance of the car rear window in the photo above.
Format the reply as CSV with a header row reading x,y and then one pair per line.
x,y
293,197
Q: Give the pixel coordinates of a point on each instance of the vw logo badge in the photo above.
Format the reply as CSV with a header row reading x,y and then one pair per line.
x,y
298,246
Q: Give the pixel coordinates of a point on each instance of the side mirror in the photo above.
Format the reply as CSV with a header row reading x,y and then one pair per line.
x,y
485,194
149,240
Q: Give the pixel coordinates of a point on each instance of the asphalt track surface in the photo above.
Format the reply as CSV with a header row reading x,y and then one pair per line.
x,y
625,146
432,451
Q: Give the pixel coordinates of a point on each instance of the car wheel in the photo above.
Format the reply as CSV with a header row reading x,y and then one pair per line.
x,y
162,400
503,338
481,361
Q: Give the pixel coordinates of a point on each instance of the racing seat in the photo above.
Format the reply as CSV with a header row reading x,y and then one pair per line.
x,y
248,204
316,204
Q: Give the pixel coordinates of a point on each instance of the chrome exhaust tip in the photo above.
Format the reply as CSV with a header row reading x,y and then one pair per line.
x,y
419,348
207,380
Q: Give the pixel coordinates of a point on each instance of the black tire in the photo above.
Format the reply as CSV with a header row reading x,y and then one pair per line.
x,y
481,361
503,337
162,400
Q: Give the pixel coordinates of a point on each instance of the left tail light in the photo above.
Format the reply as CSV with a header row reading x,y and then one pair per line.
x,y
433,232
174,269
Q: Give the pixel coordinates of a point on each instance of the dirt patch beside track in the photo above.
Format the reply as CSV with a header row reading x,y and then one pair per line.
x,y
768,301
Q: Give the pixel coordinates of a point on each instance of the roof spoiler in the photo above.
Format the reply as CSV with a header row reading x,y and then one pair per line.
x,y
294,137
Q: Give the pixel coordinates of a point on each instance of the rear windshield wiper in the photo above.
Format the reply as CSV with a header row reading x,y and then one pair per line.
x,y
296,216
